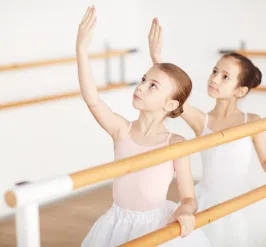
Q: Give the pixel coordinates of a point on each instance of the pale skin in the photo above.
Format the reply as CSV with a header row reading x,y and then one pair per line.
x,y
223,85
152,97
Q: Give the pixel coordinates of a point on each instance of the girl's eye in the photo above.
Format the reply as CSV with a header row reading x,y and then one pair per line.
x,y
153,85
214,72
226,77
143,79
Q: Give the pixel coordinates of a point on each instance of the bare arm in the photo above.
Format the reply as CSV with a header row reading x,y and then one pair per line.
x,y
259,142
108,120
156,41
185,183
192,115
184,214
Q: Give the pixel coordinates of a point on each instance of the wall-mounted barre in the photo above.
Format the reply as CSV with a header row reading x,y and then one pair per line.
x,y
245,52
107,54
260,89
61,96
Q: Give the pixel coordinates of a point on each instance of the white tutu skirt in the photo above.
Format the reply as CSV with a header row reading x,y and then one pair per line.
x,y
119,226
245,228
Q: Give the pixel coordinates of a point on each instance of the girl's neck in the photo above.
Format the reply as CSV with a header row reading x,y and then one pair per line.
x,y
149,124
225,108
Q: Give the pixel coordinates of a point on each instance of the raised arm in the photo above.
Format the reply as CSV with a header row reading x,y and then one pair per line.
x,y
192,115
156,41
109,121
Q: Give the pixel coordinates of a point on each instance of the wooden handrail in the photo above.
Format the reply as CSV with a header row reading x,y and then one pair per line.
x,y
246,52
73,94
148,159
203,218
49,62
15,197
252,53
259,89
61,96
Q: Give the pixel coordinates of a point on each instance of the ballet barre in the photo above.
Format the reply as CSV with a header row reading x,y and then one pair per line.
x,y
106,55
245,52
203,218
261,89
27,197
26,65
61,96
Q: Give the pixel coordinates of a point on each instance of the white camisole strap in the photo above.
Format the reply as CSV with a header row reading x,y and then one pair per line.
x,y
168,138
206,121
246,117
129,127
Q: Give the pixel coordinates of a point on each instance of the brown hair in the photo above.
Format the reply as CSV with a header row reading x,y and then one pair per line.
x,y
249,76
183,85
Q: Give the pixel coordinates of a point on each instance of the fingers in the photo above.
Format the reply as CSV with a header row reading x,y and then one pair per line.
x,y
160,36
187,224
152,30
89,18
156,30
86,15
93,24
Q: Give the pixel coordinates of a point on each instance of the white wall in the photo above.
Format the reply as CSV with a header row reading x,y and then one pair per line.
x,y
61,137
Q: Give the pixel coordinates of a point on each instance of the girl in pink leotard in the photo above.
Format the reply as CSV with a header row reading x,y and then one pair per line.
x,y
140,204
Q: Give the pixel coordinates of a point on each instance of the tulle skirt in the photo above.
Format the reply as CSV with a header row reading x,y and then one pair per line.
x,y
119,226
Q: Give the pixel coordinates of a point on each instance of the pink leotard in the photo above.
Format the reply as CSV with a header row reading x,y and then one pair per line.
x,y
145,189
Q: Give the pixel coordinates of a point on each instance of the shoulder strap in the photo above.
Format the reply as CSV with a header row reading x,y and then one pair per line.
x,y
246,117
206,120
129,127
168,138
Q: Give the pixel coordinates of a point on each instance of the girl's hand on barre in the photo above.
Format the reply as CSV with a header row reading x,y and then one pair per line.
x,y
86,28
155,41
184,215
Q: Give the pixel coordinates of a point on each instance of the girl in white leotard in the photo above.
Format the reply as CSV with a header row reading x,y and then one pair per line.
x,y
225,168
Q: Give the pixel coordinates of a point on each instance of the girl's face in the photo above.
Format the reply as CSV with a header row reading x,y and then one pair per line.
x,y
154,92
223,82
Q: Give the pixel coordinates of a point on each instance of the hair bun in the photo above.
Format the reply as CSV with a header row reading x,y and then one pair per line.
x,y
258,77
176,113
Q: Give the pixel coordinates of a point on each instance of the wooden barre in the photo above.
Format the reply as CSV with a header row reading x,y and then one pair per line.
x,y
16,196
34,64
158,156
203,218
246,53
259,89
59,96
76,94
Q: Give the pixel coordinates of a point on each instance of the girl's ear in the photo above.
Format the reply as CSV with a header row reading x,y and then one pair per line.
x,y
171,105
241,92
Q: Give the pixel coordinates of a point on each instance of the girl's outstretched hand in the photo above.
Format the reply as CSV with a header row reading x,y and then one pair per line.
x,y
155,39
86,28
